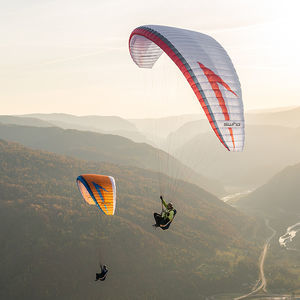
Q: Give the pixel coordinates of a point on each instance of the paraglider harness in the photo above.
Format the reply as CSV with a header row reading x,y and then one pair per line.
x,y
102,276
169,223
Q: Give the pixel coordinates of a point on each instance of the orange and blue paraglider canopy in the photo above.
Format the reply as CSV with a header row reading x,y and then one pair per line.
x,y
99,190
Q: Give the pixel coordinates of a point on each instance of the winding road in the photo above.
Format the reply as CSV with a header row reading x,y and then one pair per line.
x,y
262,282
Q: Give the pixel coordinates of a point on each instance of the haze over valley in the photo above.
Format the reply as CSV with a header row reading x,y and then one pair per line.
x,y
38,189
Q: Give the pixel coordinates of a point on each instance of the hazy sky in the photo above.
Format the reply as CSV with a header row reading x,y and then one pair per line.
x,y
72,56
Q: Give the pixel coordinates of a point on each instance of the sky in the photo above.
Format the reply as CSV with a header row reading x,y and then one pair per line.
x,y
71,56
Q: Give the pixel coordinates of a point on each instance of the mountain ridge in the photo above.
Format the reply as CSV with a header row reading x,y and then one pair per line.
x,y
101,147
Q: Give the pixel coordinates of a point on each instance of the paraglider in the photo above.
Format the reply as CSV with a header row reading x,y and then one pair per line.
x,y
165,218
208,70
99,190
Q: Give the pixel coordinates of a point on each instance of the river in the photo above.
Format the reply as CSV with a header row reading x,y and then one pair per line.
x,y
236,196
288,237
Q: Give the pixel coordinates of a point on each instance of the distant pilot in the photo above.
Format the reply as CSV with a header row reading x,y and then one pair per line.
x,y
101,276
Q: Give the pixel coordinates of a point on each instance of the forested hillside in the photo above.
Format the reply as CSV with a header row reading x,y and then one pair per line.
x,y
268,149
279,194
52,241
278,201
105,148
